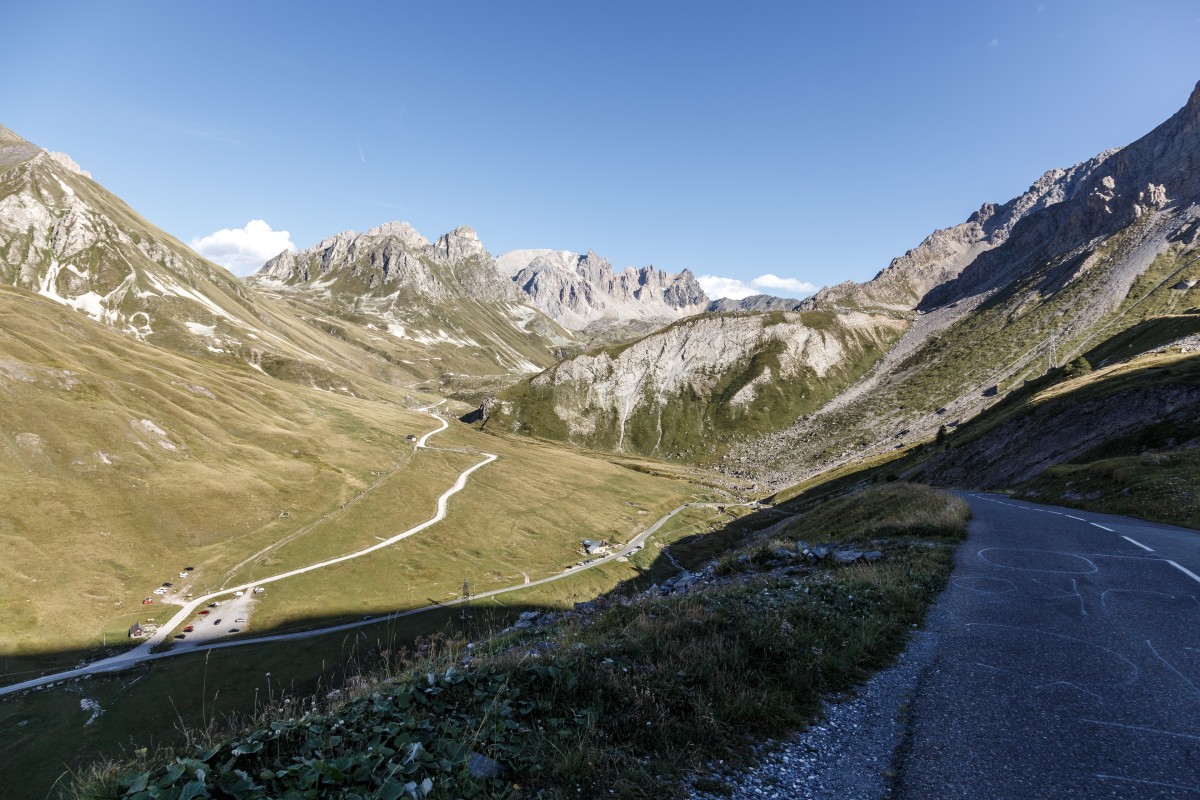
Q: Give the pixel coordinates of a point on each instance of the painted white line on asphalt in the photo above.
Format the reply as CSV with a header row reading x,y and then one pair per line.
x,y
1101,527
1139,544
1185,571
1081,519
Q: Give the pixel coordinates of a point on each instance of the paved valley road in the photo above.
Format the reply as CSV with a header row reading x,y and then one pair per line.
x,y
1066,662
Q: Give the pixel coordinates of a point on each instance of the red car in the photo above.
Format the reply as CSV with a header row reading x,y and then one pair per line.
x,y
189,629
148,601
205,613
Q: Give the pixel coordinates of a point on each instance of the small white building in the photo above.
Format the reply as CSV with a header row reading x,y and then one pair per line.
x,y
595,548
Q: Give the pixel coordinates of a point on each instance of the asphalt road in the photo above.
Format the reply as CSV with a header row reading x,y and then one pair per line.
x,y
1066,664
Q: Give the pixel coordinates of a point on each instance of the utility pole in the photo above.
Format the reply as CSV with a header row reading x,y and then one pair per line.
x,y
465,613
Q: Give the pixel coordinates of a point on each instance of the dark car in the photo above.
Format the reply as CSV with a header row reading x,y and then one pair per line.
x,y
234,630
180,636
218,622
213,605
168,584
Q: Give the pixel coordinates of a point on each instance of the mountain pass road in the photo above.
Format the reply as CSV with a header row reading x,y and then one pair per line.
x,y
1066,662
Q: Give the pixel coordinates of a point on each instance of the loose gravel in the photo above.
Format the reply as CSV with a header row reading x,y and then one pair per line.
x,y
846,755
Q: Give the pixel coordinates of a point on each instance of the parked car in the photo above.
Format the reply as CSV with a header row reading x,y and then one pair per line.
x,y
189,629
259,590
205,613
218,622
238,594
183,574
240,619
188,569
180,636
234,630
168,583
213,605
148,601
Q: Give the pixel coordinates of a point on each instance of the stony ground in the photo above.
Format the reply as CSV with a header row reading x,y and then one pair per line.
x,y
845,756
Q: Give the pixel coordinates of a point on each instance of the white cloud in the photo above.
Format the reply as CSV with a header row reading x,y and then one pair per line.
x,y
792,285
243,250
994,42
715,286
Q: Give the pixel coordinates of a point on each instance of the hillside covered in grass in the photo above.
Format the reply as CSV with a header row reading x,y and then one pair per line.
x,y
619,698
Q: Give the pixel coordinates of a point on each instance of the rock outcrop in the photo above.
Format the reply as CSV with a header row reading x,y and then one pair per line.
x,y
682,391
756,302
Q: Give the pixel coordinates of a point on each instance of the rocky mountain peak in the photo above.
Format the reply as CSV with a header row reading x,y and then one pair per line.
x,y
579,290
403,231
459,244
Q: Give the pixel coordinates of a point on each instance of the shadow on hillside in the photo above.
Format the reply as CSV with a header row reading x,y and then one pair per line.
x,y
49,732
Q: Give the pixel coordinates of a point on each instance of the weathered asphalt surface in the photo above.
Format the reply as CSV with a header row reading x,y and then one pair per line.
x,y
1066,665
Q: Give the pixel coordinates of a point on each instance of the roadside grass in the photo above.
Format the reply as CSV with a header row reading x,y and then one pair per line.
x,y
621,702
1159,486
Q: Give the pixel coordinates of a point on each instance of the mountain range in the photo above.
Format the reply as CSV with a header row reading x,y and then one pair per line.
x,y
156,408
1016,290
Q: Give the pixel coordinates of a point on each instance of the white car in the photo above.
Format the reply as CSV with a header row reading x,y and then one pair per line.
x,y
160,590
238,594
183,574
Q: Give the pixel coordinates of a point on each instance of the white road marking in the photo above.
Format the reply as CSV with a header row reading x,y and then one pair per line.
x,y
1081,519
1139,544
1184,570
1110,530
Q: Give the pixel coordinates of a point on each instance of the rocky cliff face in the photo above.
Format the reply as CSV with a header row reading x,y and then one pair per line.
x,y
756,302
685,390
580,290
1063,210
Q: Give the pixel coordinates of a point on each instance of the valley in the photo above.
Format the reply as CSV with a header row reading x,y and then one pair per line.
x,y
541,514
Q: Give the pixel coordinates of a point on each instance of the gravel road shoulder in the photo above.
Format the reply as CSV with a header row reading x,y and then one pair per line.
x,y
847,754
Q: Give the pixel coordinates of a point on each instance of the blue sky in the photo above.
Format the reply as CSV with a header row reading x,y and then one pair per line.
x,y
811,142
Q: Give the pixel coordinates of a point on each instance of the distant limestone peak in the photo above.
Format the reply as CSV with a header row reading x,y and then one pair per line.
x,y
579,290
69,163
459,244
402,231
